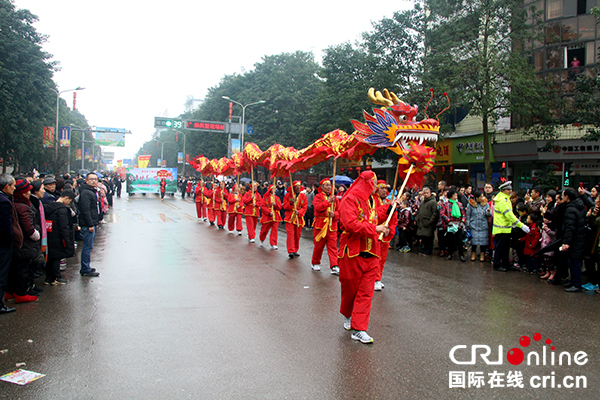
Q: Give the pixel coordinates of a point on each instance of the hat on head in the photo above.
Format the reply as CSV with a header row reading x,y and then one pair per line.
x,y
324,180
297,183
381,184
506,186
22,186
49,180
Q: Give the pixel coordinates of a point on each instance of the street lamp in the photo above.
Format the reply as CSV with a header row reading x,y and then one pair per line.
x,y
243,116
83,141
56,126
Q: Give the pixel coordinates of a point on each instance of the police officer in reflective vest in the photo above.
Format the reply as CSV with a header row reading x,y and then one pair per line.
x,y
504,221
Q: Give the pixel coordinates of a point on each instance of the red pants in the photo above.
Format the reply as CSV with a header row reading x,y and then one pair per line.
x,y
383,253
211,214
293,237
201,209
221,217
235,219
331,241
251,226
357,279
264,229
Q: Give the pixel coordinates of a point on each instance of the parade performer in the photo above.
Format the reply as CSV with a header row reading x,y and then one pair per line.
x,y
359,254
295,205
271,216
325,227
235,210
209,195
220,198
383,206
163,186
189,187
252,200
200,202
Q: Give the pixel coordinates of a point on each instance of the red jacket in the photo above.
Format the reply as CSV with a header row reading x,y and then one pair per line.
x,y
252,204
532,240
236,206
199,194
358,216
270,207
208,197
382,214
301,206
322,208
220,197
189,187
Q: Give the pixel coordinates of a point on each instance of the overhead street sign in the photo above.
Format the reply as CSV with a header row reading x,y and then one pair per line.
x,y
165,122
206,126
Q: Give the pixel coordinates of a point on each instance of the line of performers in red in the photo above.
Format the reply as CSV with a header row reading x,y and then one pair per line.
x,y
356,221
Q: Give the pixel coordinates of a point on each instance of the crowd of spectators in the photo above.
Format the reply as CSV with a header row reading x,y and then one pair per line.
x,y
41,220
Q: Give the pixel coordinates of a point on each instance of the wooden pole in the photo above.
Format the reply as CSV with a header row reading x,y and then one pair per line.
x,y
333,187
396,177
389,218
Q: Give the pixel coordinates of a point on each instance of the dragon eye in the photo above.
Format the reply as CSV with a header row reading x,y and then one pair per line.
x,y
402,118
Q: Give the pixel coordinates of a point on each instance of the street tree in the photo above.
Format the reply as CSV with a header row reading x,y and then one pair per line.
x,y
477,52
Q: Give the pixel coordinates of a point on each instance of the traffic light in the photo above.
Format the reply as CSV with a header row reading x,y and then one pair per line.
x,y
163,122
567,174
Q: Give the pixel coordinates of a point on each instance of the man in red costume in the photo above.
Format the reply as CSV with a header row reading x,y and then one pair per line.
x,y
295,205
210,204
235,210
252,202
220,196
271,216
200,203
359,254
383,208
325,227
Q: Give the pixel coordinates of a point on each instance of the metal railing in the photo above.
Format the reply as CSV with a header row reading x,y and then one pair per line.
x,y
564,132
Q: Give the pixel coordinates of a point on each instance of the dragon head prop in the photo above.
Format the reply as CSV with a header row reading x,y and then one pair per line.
x,y
394,125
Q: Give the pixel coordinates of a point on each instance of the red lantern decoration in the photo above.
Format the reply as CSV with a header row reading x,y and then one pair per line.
x,y
342,169
350,168
451,170
358,169
443,169
368,167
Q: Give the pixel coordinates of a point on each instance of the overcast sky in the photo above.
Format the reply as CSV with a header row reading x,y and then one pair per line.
x,y
138,60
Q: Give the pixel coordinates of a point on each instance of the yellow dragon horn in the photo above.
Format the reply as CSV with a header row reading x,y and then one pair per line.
x,y
377,98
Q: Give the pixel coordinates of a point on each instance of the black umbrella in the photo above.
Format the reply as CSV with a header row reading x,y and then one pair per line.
x,y
554,246
83,172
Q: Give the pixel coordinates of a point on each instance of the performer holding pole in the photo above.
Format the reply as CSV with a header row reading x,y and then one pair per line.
x,y
220,199
359,254
210,202
295,205
252,201
235,210
325,227
383,210
271,217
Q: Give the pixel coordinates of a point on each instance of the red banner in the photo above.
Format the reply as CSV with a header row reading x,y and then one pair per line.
x,y
48,137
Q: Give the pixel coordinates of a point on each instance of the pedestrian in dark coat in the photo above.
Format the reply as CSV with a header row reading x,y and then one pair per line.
x,y
426,220
7,235
61,243
574,237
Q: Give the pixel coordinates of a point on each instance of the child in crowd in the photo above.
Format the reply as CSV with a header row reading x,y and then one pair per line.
x,y
532,242
517,244
548,236
405,227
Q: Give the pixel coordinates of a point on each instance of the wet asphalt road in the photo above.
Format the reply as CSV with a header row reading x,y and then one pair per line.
x,y
182,310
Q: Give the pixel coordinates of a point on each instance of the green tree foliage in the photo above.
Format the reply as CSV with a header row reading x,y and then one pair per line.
x,y
586,107
475,52
26,96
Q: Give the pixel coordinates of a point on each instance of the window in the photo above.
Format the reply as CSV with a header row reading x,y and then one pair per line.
x,y
552,32
590,53
554,9
589,5
570,8
569,30
587,27
554,57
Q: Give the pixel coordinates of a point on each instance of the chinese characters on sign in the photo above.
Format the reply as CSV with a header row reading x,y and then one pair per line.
x,y
205,125
470,147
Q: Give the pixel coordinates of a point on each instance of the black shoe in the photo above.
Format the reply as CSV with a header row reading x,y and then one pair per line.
x,y
450,257
573,289
6,310
291,255
553,282
33,292
296,254
212,224
90,273
426,253
501,269
37,289
463,258
513,268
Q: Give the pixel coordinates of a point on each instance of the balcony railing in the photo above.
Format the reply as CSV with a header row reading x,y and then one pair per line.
x,y
565,132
